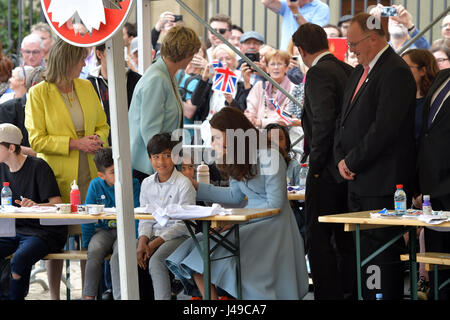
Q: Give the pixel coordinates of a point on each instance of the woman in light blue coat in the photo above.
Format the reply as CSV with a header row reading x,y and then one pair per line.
x,y
271,249
156,105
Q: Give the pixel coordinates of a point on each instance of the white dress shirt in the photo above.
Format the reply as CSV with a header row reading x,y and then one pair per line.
x,y
177,190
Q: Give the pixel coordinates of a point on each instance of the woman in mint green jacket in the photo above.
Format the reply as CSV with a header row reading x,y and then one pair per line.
x,y
156,105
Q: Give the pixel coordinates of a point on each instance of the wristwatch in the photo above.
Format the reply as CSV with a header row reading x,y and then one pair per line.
x,y
296,15
412,28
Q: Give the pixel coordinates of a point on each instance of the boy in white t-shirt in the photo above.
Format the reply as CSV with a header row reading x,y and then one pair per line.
x,y
166,186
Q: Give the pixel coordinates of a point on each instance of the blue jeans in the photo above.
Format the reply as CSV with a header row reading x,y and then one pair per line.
x,y
27,251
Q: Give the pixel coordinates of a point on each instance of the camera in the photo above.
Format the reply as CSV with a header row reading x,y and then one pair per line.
x,y
177,17
253,56
389,12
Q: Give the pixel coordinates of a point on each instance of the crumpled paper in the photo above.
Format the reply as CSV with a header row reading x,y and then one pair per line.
x,y
184,212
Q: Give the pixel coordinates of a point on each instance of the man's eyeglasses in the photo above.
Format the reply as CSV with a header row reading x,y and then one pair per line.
x,y
34,52
354,44
440,60
221,30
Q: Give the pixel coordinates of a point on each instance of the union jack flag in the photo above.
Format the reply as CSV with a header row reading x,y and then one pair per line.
x,y
225,80
217,64
286,117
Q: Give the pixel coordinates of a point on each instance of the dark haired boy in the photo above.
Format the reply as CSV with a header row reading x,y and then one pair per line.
x,y
166,186
101,238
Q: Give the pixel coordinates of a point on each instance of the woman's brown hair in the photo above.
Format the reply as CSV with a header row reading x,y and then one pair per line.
x,y
6,67
424,59
62,59
230,118
179,43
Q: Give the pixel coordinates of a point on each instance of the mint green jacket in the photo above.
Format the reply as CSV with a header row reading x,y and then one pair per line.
x,y
154,109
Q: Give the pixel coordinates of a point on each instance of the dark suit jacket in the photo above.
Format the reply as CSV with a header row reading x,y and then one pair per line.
x,y
376,130
13,111
433,161
324,90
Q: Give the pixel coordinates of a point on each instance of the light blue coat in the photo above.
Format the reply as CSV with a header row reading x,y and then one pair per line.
x,y
271,249
154,109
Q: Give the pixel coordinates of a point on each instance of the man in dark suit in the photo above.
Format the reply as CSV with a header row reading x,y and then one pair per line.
x,y
374,146
433,164
330,249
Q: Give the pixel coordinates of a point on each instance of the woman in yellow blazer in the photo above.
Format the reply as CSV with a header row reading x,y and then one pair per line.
x,y
65,121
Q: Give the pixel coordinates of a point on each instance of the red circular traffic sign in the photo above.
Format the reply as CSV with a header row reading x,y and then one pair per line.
x,y
113,21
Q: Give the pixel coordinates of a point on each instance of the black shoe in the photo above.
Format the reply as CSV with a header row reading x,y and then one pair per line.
x,y
176,287
107,295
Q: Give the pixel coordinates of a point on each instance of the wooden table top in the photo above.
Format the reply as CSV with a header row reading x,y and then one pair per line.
x,y
237,215
363,218
296,196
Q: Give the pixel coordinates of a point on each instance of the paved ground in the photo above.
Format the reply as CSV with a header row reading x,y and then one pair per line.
x,y
37,292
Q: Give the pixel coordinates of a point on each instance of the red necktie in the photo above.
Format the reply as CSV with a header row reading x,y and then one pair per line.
x,y
361,81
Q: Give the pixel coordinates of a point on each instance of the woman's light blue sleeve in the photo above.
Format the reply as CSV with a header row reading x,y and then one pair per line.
x,y
210,193
273,168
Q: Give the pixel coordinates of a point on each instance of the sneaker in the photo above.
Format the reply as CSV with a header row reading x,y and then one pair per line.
x,y
196,298
423,289
226,298
107,295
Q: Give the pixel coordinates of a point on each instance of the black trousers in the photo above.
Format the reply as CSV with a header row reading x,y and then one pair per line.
x,y
385,273
331,251
439,241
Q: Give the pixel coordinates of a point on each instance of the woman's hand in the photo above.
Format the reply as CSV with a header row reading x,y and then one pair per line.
x,y
206,74
246,73
293,64
417,201
295,122
228,98
194,183
189,109
88,144
199,62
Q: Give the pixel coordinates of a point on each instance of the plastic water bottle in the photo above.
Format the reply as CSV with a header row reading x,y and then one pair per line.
x,y
6,195
303,174
203,173
426,206
400,200
75,197
379,296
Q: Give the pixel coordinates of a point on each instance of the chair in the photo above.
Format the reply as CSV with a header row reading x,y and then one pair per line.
x,y
434,261
68,255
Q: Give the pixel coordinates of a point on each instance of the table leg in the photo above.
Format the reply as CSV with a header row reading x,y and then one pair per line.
x,y
413,262
206,261
238,263
358,259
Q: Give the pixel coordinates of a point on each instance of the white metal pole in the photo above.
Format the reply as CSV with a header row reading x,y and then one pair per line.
x,y
123,187
144,27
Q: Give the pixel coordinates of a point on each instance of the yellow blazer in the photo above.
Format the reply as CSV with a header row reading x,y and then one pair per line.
x,y
50,128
